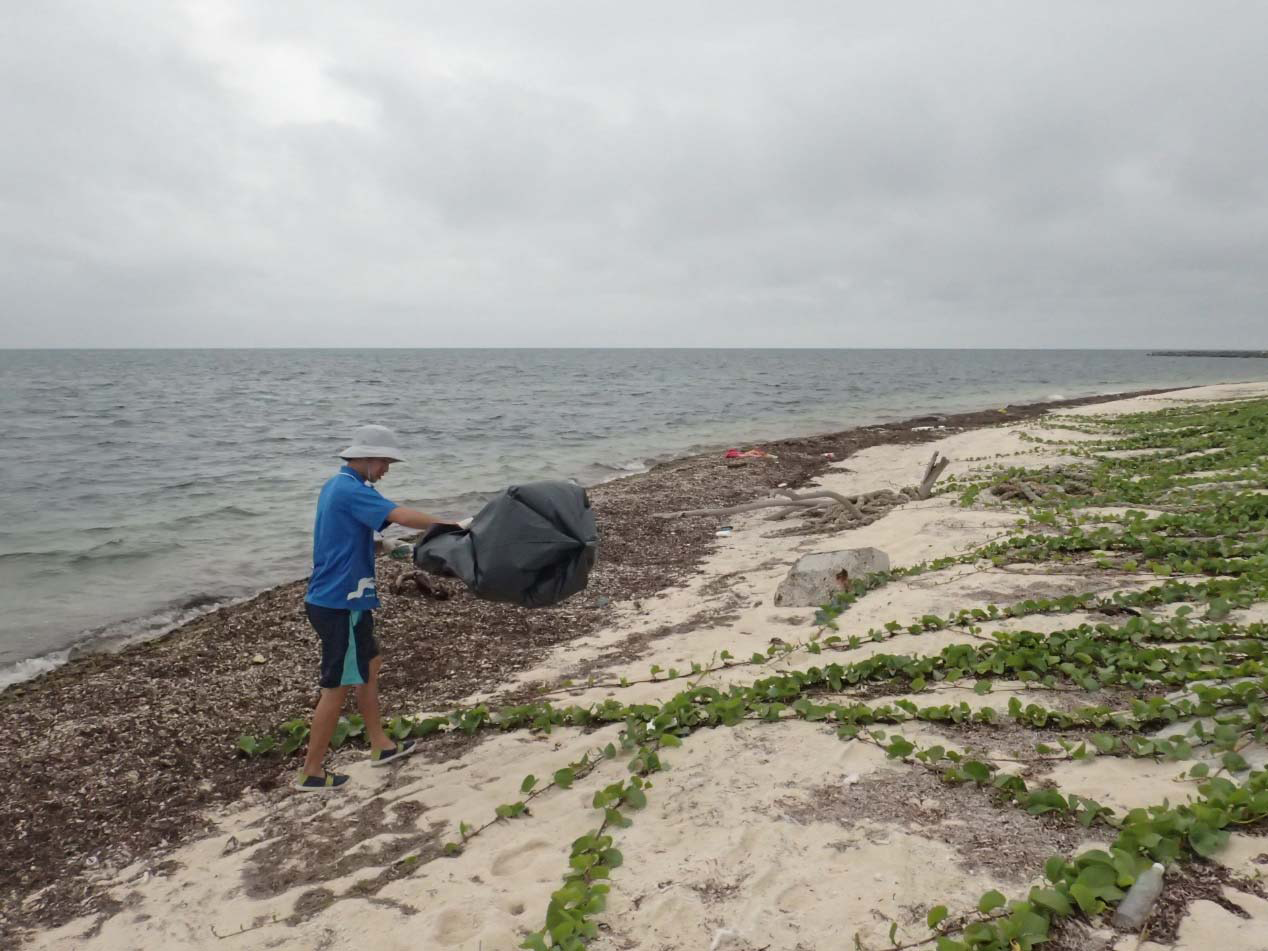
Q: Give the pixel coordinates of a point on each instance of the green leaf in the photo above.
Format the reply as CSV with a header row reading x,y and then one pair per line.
x,y
1234,762
977,771
899,747
1218,609
612,858
1088,903
341,733
1205,840
635,797
1103,742
1027,924
562,930
1052,899
1098,877
937,914
1054,868
529,782
564,777
990,901
428,726
615,818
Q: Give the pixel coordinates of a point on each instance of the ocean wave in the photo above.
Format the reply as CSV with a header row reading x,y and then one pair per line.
x,y
98,554
200,602
626,467
112,550
9,556
117,635
224,511
32,667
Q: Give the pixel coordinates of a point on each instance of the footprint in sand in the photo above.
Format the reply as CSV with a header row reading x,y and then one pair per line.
x,y
454,927
796,898
519,858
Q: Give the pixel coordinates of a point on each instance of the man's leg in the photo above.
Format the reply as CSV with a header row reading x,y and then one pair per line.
x,y
325,718
368,704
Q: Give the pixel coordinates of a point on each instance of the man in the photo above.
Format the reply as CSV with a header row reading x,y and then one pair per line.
x,y
342,596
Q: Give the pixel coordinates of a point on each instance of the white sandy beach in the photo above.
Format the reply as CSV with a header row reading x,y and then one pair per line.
x,y
759,836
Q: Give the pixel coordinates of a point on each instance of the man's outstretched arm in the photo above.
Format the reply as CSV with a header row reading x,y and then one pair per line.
x,y
413,518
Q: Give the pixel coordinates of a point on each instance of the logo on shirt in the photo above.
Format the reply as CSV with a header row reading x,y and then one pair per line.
x,y
364,585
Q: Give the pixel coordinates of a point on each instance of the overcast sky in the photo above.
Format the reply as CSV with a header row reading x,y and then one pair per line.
x,y
1087,173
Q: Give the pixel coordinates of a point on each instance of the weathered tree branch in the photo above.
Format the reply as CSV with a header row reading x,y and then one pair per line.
x,y
824,502
744,507
1030,492
937,465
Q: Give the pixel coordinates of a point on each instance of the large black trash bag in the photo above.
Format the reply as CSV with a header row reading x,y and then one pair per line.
x,y
533,545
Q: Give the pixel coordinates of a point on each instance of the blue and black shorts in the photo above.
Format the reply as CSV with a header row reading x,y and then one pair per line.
x,y
347,644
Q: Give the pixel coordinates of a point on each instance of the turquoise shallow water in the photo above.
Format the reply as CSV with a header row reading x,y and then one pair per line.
x,y
144,486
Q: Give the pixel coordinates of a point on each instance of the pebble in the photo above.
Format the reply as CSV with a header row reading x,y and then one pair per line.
x,y
258,659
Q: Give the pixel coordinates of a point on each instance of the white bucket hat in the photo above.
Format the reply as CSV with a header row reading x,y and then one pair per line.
x,y
373,442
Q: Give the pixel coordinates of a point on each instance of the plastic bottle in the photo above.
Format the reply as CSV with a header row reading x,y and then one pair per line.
x,y
1136,905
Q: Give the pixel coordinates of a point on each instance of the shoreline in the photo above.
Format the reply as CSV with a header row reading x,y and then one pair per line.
x,y
115,636
161,716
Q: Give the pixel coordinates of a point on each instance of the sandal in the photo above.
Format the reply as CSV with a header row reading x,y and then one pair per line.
x,y
325,783
400,751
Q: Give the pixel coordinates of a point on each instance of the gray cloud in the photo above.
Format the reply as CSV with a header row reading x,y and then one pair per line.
x,y
839,174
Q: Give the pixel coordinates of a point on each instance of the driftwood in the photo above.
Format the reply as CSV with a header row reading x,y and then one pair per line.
x,y
733,509
935,468
1029,491
426,587
1057,480
832,507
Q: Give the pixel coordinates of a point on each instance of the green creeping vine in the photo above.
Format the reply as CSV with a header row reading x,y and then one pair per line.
x,y
1188,520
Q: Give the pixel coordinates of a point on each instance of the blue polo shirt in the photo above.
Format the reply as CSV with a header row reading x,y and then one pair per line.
x,y
349,512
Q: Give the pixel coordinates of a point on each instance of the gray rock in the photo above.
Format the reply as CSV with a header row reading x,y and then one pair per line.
x,y
814,579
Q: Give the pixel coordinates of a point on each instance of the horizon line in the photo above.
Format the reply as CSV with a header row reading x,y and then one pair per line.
x,y
1171,349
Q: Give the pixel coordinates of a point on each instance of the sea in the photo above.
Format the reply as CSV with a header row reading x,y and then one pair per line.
x,y
144,487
